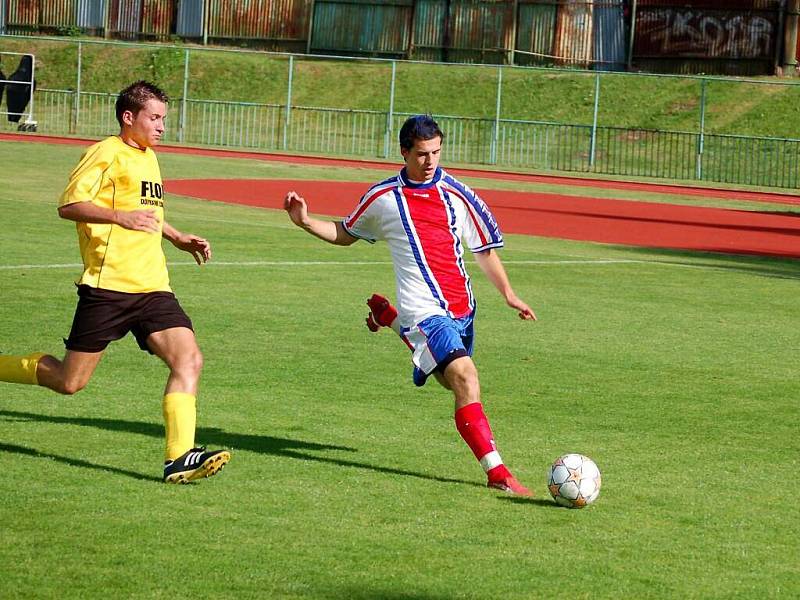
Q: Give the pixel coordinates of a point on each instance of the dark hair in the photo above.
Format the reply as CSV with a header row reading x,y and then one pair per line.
x,y
418,127
136,95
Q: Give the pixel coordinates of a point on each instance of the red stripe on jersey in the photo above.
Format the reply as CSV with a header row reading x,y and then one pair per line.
x,y
364,206
471,213
431,221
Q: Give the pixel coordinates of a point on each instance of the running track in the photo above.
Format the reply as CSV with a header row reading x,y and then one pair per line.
x,y
647,224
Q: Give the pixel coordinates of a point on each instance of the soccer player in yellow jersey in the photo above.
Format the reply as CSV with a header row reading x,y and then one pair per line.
x,y
116,198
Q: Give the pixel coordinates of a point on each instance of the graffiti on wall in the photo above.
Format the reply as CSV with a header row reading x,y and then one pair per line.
x,y
673,32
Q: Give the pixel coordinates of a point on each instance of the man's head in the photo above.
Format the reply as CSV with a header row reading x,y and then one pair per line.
x,y
421,145
141,109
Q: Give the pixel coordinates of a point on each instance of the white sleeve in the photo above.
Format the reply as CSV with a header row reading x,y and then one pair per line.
x,y
365,222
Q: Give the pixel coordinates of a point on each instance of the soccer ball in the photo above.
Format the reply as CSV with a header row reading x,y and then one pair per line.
x,y
574,481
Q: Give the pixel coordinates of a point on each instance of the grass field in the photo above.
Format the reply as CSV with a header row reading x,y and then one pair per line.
x,y
676,372
553,95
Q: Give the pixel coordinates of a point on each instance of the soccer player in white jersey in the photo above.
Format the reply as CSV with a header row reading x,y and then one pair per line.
x,y
427,217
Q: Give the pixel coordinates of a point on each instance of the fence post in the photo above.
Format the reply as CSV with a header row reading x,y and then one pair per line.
x,y
701,137
311,10
496,134
633,34
790,37
76,118
593,143
205,22
387,140
181,134
106,19
288,105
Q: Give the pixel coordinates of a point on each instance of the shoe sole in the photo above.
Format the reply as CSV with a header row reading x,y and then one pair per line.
x,y
211,466
509,490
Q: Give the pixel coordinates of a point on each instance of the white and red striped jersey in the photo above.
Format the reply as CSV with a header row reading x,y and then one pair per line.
x,y
426,226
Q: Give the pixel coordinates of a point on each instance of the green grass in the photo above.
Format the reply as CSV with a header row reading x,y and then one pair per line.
x,y
627,100
675,371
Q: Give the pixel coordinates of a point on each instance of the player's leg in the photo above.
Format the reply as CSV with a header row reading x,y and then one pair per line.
x,y
97,321
184,462
382,314
461,377
70,375
67,376
443,347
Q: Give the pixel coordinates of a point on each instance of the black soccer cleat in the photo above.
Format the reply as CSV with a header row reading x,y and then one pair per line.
x,y
195,464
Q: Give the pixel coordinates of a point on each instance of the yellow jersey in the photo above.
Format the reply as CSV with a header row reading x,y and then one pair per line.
x,y
115,175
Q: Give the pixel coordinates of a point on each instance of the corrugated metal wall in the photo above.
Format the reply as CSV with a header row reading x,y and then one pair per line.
x,y
91,15
33,15
158,18
429,30
125,18
273,22
714,36
609,52
362,27
536,28
190,19
466,31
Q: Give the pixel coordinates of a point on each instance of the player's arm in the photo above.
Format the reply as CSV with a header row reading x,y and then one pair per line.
x,y
329,231
490,264
199,248
88,212
77,201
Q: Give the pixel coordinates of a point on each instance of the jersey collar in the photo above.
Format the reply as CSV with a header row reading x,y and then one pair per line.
x,y
408,183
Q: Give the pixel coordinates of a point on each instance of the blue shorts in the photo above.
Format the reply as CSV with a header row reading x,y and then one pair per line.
x,y
437,341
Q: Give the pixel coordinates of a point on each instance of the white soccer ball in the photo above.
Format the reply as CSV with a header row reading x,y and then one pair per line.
x,y
574,481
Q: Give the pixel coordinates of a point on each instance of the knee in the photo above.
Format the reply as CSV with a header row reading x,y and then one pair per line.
x,y
190,363
71,386
464,377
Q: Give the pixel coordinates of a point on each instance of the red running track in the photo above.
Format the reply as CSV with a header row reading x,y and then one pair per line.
x,y
603,220
645,224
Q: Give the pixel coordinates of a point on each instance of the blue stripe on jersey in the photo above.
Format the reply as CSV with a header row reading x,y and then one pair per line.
x,y
415,249
479,206
448,203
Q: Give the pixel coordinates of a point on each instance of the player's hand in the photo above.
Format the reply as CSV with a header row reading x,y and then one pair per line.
x,y
137,220
525,312
198,247
295,205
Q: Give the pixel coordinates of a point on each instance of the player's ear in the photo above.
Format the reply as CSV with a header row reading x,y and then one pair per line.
x,y
128,117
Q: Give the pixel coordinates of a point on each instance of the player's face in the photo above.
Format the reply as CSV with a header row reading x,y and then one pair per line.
x,y
146,127
422,158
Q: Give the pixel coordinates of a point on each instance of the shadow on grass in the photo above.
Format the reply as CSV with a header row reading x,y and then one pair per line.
x,y
537,501
73,462
215,437
724,260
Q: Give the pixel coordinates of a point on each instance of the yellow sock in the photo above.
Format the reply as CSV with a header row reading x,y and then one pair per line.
x,y
20,369
179,421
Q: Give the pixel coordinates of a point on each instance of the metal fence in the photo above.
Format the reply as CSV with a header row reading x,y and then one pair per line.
x,y
517,144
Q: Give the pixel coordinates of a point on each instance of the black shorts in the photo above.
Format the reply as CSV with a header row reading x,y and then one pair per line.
x,y
103,316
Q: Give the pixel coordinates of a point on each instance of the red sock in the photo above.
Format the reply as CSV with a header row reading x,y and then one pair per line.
x,y
473,426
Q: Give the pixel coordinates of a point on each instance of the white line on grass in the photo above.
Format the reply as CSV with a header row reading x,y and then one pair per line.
x,y
339,263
